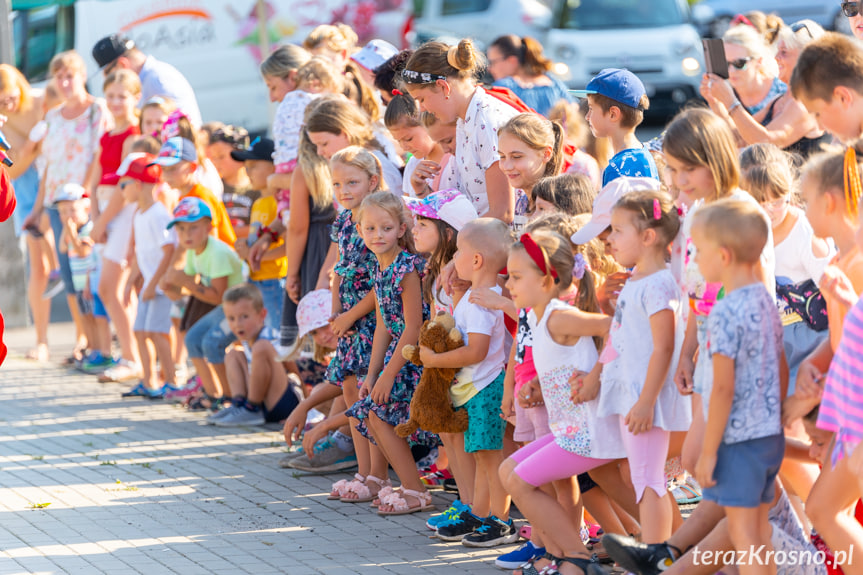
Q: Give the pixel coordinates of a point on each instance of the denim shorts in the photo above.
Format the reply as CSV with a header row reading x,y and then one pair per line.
x,y
209,337
274,298
485,426
745,472
62,257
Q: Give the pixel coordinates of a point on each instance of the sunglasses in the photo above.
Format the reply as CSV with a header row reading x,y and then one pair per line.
x,y
740,63
798,26
851,9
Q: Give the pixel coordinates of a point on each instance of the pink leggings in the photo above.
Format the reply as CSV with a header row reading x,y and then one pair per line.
x,y
543,461
647,453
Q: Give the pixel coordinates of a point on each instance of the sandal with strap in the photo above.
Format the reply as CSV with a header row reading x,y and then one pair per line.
x,y
363,492
587,566
340,487
400,506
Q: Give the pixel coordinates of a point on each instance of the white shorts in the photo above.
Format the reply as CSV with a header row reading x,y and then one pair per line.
x,y
119,234
154,316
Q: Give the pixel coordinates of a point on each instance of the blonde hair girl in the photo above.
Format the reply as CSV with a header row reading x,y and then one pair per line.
x,y
279,70
530,148
333,41
154,114
701,158
385,396
333,123
356,175
441,78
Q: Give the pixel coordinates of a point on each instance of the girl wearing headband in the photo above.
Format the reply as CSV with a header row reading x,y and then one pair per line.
x,y
441,79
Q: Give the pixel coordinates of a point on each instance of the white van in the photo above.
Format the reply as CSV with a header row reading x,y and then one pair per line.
x,y
653,39
214,43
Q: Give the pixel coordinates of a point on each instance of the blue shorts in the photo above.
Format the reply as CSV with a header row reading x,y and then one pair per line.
x,y
485,426
92,307
26,189
745,472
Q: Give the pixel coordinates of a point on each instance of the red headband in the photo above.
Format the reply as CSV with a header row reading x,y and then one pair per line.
x,y
537,254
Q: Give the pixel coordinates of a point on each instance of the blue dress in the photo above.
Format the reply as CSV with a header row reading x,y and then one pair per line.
x,y
388,289
356,267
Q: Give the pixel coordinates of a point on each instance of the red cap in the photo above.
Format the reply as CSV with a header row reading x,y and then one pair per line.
x,y
140,167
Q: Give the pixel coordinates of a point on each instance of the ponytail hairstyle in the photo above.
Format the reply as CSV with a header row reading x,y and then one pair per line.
x,y
574,125
652,210
357,90
528,52
284,61
698,137
767,173
363,160
538,133
435,61
569,267
334,37
443,254
336,115
393,205
838,172
389,74
402,111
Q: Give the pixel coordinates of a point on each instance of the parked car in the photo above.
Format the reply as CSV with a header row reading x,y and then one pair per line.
x,y
481,20
712,17
655,40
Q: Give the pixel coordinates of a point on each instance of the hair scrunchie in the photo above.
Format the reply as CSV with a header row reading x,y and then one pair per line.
x,y
580,267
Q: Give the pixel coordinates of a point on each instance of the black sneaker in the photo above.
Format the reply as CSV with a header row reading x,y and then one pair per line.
x,y
491,533
640,558
465,524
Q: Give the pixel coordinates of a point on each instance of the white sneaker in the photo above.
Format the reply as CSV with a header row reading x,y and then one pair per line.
x,y
217,415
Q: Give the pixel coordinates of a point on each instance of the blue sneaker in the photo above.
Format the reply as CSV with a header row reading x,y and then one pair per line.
x,y
140,390
448,516
160,393
517,558
96,363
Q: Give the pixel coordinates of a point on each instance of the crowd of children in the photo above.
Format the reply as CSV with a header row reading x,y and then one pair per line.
x,y
687,332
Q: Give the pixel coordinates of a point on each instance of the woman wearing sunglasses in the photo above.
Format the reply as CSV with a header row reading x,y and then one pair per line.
x,y
854,12
780,120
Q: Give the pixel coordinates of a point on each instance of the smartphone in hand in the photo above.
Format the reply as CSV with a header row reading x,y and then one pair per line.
x,y
714,57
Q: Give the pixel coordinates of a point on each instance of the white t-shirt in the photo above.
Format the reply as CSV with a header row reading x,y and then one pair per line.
x,y
288,125
151,235
392,175
794,257
476,144
473,318
407,188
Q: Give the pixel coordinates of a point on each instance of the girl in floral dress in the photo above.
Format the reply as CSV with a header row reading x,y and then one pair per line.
x,y
389,386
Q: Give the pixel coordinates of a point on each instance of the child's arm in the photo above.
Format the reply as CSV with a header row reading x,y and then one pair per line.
x,y
92,177
413,311
640,417
167,256
81,246
507,405
297,419
721,399
490,299
211,294
566,326
343,322
327,268
686,363
114,207
134,276
298,232
501,200
474,352
380,342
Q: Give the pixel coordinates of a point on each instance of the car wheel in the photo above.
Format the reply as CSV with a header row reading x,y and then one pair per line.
x,y
720,25
841,24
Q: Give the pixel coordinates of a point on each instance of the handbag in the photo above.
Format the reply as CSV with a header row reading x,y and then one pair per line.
x,y
806,300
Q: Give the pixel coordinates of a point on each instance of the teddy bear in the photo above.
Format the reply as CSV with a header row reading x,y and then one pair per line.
x,y
431,407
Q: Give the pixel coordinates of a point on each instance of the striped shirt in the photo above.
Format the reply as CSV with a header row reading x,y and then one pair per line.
x,y
842,403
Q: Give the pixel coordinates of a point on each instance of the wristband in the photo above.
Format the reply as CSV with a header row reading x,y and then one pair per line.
x,y
733,106
266,231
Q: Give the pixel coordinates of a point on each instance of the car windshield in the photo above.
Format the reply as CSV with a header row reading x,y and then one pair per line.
x,y
606,14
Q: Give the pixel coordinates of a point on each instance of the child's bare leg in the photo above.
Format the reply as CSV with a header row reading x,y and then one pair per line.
x,y
220,377
102,333
616,486
695,435
162,344
88,324
237,370
111,285
268,380
40,268
80,331
600,508
498,500
830,508
462,465
749,529
148,362
351,393
208,379
178,345
398,453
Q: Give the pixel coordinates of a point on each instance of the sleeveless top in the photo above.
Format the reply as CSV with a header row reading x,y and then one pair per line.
x,y
804,147
576,428
112,154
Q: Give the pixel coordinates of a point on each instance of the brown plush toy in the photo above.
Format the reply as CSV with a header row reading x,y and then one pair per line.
x,y
431,407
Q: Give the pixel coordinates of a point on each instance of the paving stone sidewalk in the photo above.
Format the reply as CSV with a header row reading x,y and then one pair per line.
x,y
91,483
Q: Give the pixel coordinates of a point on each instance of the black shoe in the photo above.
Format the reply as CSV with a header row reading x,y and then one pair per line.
x,y
640,558
491,533
465,524
450,486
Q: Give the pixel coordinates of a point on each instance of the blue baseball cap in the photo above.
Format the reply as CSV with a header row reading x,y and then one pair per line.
x,y
619,85
190,209
175,150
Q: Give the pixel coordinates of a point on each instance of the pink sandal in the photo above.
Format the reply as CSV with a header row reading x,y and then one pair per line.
x,y
341,487
400,506
362,491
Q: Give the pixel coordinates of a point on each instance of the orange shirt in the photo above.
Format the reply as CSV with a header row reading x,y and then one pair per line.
x,y
221,221
851,265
